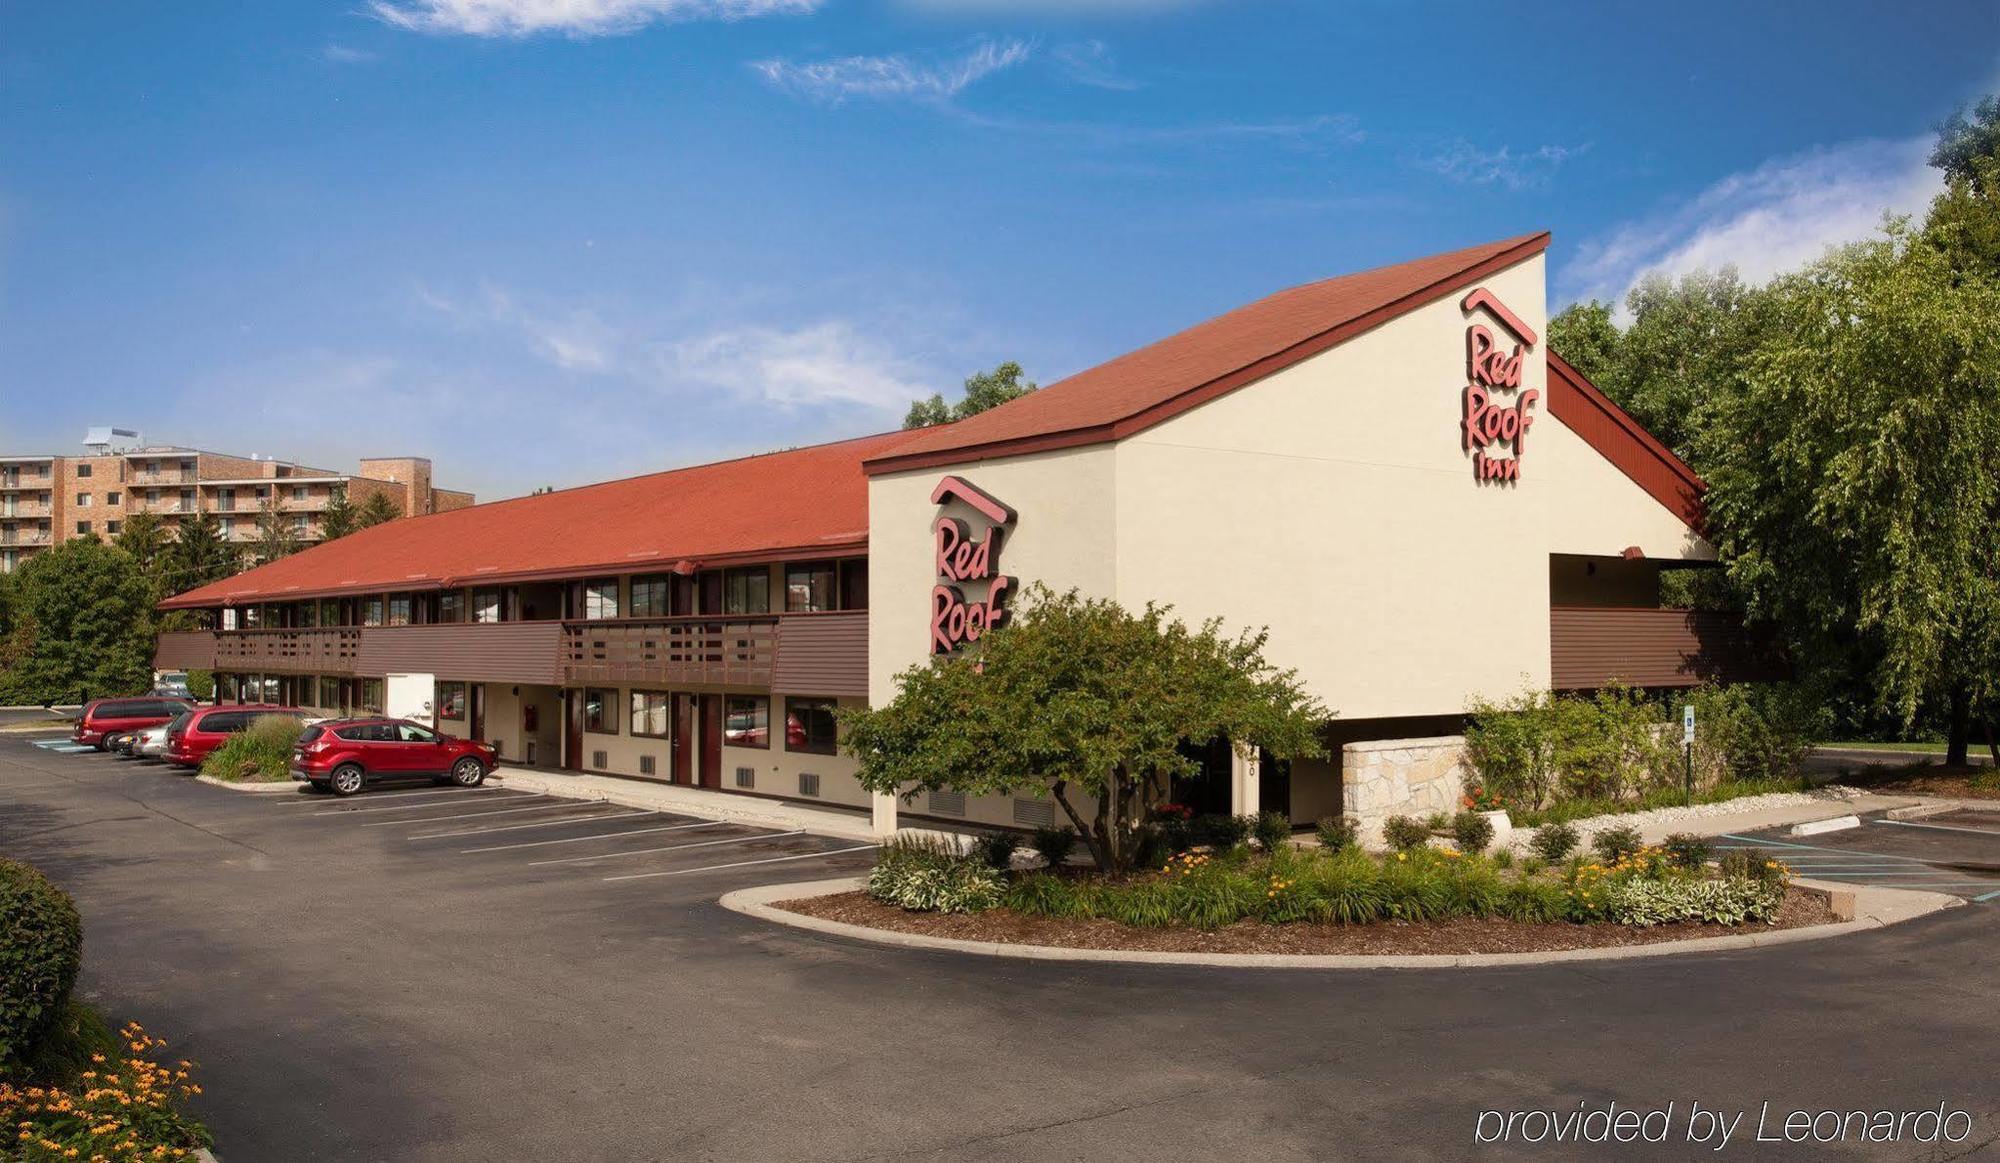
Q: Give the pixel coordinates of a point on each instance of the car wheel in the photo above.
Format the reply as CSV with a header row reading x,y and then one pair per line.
x,y
346,779
468,773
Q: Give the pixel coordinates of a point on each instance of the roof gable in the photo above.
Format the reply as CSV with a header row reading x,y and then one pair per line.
x,y
1616,436
1142,388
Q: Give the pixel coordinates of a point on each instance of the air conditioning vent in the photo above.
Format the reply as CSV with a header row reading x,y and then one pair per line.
x,y
1034,813
645,765
746,777
600,760
809,784
947,803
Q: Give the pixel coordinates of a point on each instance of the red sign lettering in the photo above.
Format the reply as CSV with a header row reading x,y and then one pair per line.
x,y
1488,423
960,557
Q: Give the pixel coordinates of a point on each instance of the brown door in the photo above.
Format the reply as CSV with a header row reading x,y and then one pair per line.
x,y
711,741
477,722
573,737
683,753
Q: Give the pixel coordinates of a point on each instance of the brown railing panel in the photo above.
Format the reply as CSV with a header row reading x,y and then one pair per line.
x,y
333,650
823,654
680,651
466,651
185,650
1595,646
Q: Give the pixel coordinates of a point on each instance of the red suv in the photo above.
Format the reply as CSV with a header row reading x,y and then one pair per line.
x,y
201,730
348,754
102,717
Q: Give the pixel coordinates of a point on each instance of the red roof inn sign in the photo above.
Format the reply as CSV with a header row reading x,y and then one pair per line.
x,y
1490,423
963,558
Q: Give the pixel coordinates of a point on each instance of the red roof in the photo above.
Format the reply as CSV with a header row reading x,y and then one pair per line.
x,y
1138,390
794,504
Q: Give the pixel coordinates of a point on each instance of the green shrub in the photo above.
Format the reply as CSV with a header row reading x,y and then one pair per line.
x,y
1503,858
1753,864
1220,832
1041,895
1151,848
1687,851
260,752
1414,888
65,1051
201,684
129,1110
1274,831
1539,748
1535,901
1646,901
996,849
1403,833
1756,731
1336,833
41,948
1554,842
1472,832
1437,824
1054,845
965,885
1612,844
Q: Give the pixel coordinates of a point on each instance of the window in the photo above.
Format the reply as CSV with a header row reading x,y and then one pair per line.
x,y
152,496
649,597
112,498
371,612
809,726
111,527
596,712
83,500
411,733
301,524
83,470
746,591
649,714
83,528
329,614
451,606
368,733
187,501
371,695
298,492
225,500
746,721
329,693
451,700
809,588
271,692
399,610
854,584
486,605
600,598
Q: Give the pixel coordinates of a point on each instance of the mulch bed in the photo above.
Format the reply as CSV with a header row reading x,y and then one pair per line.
x,y
1462,935
1925,780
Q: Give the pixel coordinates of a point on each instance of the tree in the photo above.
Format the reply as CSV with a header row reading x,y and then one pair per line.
x,y
84,624
375,509
199,555
277,533
983,390
1584,334
1854,492
1964,142
1077,697
338,519
145,539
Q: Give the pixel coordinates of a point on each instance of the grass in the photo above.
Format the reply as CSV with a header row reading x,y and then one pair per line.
x,y
1728,789
1878,745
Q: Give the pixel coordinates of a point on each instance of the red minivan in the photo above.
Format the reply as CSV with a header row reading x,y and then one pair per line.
x,y
348,754
103,717
202,729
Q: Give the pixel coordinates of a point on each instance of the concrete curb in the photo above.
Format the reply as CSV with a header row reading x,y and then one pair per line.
x,y
1875,908
265,788
698,803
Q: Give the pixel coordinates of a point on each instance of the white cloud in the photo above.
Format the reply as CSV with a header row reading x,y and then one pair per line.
x,y
1089,62
893,76
1050,7
572,338
577,18
340,54
1764,221
821,364
1467,164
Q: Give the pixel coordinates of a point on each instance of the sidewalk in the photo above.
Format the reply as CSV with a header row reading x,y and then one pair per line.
x,y
1737,816
687,801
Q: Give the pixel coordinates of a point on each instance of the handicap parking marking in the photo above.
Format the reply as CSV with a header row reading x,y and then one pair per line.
x,y
557,806
739,864
669,848
63,746
351,811
536,824
618,835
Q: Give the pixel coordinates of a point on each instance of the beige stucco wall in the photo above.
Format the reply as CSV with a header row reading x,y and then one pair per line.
x,y
503,722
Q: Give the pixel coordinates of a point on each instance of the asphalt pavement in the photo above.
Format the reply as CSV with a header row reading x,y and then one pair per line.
x,y
396,977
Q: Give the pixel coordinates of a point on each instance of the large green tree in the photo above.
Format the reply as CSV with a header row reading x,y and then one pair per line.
x,y
1967,139
83,612
277,534
1080,699
337,520
982,391
146,539
1854,484
200,555
374,509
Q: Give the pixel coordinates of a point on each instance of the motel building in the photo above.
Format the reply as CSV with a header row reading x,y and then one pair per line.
x,y
1389,469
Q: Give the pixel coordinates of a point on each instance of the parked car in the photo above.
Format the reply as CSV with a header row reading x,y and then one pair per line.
x,y
346,755
104,717
172,684
203,729
151,743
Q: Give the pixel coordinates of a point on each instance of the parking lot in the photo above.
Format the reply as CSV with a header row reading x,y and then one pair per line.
x,y
396,977
1956,853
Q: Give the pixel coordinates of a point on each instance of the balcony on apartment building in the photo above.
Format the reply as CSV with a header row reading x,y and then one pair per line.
x,y
160,477
1595,646
820,653
15,509
11,538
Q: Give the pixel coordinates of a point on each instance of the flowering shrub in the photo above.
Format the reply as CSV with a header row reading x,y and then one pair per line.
x,y
1644,901
1471,831
1480,798
122,1109
931,874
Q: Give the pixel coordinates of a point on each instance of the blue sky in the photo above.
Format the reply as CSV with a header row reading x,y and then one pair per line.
x,y
552,241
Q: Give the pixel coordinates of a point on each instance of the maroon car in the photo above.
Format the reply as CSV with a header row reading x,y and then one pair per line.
x,y
102,717
346,755
203,729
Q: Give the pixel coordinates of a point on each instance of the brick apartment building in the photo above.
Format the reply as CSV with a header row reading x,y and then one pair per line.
x,y
45,500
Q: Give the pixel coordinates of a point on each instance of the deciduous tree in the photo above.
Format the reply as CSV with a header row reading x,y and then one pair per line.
x,y
982,391
1080,698
83,624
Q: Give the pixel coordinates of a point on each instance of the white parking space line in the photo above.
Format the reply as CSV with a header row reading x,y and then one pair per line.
x,y
670,848
738,864
619,835
536,824
412,794
560,806
1939,827
403,807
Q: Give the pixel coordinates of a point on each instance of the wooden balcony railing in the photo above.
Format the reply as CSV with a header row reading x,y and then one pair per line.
x,y
333,650
1594,646
738,651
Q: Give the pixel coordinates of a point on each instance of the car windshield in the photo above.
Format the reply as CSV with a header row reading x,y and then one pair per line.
x,y
180,723
311,733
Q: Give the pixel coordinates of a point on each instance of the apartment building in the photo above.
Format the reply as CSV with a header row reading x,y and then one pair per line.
x,y
45,500
1348,463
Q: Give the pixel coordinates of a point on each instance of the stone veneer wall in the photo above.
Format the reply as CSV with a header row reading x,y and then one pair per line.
x,y
1401,777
